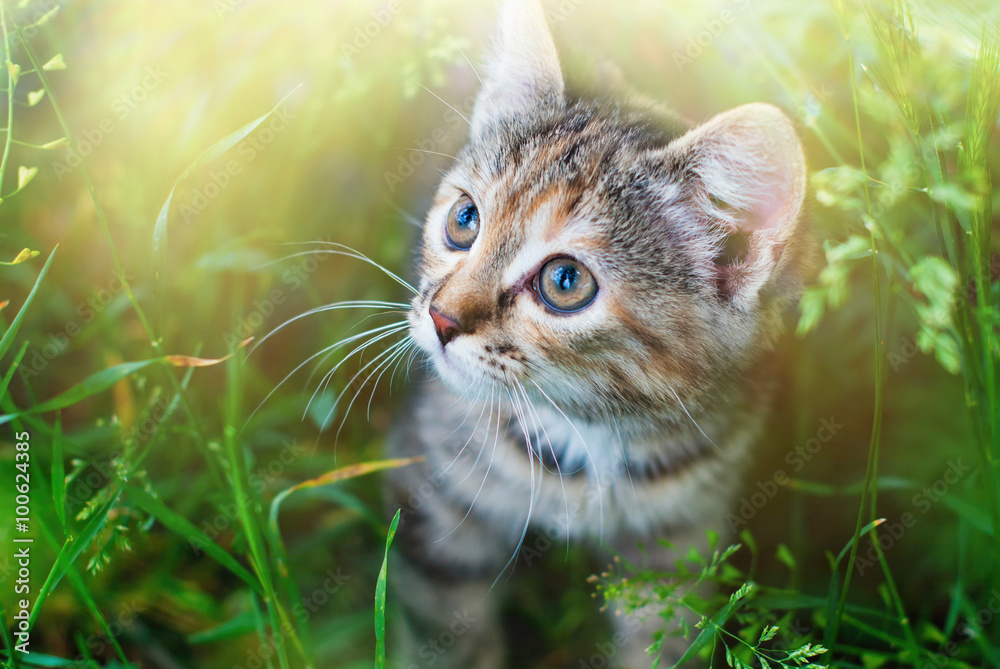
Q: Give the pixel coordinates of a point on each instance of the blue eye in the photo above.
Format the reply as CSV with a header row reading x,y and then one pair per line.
x,y
463,223
566,285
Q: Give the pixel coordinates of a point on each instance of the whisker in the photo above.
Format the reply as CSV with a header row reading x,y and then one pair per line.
x,y
387,354
482,449
430,153
472,405
325,381
555,458
534,490
399,363
692,418
392,308
407,216
481,82
348,252
593,463
446,104
387,331
325,351
488,467
621,445
394,360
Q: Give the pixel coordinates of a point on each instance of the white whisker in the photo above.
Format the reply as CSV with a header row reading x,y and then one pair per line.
x,y
486,476
382,333
586,448
446,104
555,458
354,378
391,308
692,418
347,252
325,351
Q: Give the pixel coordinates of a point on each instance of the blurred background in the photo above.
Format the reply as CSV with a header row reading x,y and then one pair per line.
x,y
359,99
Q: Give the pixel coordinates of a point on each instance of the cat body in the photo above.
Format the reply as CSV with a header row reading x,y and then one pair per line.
x,y
599,370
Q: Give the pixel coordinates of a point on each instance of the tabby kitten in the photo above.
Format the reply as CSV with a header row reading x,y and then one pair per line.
x,y
600,363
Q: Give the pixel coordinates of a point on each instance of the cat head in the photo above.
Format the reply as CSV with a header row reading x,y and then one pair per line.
x,y
575,252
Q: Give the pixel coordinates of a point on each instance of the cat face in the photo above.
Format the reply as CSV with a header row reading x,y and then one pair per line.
x,y
572,253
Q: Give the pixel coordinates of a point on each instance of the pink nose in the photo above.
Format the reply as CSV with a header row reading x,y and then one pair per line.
x,y
446,328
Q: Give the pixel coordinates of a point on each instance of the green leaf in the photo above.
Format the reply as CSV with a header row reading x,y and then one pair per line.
x,y
785,557
15,72
380,587
5,383
8,336
864,530
767,634
335,476
25,175
242,624
55,63
24,255
712,626
92,385
54,144
812,304
100,381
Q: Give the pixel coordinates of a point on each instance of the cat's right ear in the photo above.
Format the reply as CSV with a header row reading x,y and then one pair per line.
x,y
524,75
745,175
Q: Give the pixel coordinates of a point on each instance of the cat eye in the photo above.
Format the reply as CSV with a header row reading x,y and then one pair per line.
x,y
565,285
463,223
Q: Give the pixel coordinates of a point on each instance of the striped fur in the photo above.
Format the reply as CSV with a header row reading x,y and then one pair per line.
x,y
629,420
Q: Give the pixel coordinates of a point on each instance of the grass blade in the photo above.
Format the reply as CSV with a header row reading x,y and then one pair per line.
x,y
71,550
334,476
92,385
59,474
185,529
8,336
209,154
100,381
380,597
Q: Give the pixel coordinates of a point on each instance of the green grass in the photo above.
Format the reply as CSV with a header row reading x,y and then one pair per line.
x,y
182,510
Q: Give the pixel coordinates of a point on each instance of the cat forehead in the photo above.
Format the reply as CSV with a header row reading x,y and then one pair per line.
x,y
565,144
578,159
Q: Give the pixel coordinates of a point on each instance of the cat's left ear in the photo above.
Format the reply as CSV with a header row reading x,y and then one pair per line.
x,y
749,180
524,75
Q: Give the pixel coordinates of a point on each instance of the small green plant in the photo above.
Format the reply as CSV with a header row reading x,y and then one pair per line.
x,y
743,625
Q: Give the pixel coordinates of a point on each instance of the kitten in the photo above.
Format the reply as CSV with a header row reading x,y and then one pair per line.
x,y
600,364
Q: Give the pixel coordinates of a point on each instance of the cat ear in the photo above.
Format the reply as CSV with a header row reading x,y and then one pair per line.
x,y
750,180
524,74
